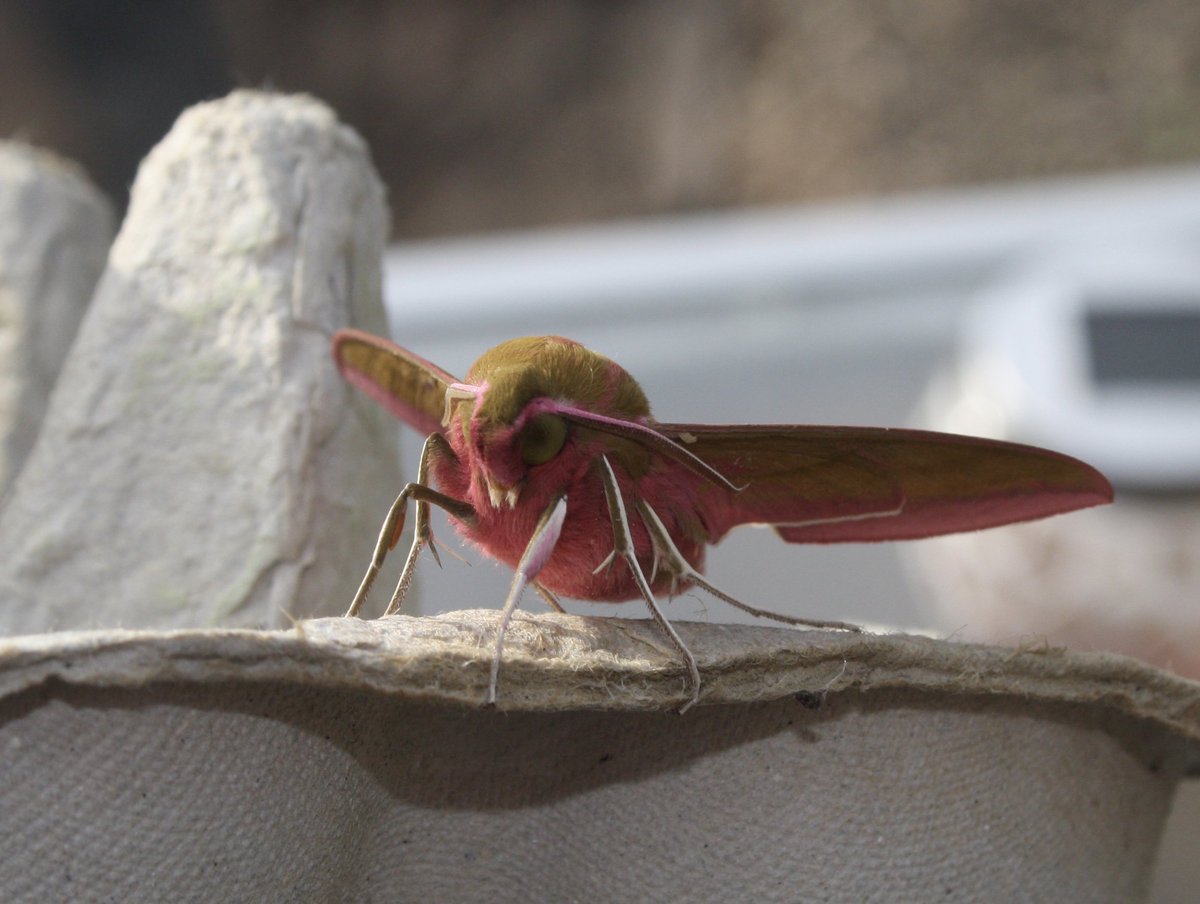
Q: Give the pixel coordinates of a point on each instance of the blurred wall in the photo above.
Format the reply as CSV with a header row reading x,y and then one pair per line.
x,y
491,115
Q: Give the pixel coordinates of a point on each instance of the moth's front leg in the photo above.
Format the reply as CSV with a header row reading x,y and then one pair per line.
x,y
537,553
393,526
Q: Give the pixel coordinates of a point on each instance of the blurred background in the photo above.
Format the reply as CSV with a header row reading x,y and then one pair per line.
x,y
825,211
502,115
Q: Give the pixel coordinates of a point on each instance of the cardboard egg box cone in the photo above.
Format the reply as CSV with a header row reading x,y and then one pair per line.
x,y
200,471
55,229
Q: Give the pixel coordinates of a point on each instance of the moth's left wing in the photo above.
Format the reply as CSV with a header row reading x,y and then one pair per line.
x,y
845,484
406,385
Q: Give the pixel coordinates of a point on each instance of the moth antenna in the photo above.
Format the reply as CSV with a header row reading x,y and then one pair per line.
x,y
652,439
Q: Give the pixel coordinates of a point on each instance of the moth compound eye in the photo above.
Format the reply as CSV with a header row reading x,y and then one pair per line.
x,y
542,438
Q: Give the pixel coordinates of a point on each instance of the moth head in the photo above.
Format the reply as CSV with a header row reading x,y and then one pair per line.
x,y
506,417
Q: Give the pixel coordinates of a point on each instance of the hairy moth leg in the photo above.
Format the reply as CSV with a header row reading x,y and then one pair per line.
x,y
623,548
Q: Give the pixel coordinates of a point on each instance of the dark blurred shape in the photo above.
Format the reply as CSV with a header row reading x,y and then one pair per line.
x,y
121,72
1137,346
489,115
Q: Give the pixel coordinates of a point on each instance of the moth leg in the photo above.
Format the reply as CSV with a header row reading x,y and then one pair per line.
x,y
435,445
681,569
537,553
623,548
550,598
393,526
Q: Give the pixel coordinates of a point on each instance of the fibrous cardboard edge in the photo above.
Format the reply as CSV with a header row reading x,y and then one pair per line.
x,y
556,662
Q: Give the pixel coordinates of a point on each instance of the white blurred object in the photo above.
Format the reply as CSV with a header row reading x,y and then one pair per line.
x,y
1094,351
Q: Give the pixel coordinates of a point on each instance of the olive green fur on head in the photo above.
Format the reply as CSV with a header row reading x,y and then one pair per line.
x,y
520,370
